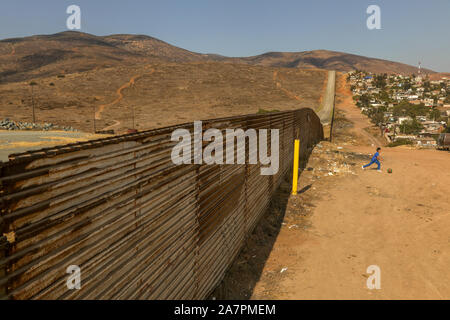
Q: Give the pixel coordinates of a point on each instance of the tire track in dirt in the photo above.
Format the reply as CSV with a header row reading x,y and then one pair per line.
x,y
120,96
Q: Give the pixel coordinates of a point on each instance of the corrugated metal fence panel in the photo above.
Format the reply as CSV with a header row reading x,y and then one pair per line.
x,y
221,213
138,226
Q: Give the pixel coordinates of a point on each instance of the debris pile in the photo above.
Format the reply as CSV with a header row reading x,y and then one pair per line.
x,y
8,124
328,159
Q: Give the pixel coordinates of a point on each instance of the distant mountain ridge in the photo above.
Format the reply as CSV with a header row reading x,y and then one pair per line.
x,y
70,51
331,60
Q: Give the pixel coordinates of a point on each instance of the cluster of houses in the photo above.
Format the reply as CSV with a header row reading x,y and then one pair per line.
x,y
382,93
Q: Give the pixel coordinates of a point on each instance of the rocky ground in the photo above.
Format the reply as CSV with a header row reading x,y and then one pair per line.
x,y
7,124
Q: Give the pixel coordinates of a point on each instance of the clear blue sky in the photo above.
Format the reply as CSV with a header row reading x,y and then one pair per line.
x,y
412,30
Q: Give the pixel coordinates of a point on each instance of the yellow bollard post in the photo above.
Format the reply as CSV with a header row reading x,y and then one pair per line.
x,y
295,174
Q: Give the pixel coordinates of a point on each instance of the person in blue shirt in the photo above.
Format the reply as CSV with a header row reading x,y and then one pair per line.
x,y
375,159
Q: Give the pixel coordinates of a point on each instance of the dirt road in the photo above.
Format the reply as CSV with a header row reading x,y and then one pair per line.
x,y
353,114
325,112
345,219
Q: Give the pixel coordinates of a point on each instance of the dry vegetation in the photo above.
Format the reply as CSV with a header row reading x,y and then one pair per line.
x,y
162,94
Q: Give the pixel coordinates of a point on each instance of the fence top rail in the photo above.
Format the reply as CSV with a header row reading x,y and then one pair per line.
x,y
27,156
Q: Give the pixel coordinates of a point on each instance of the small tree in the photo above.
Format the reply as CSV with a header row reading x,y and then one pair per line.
x,y
364,99
411,127
435,114
377,118
447,99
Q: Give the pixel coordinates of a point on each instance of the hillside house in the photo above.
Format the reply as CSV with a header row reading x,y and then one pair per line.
x,y
426,142
432,126
400,120
421,118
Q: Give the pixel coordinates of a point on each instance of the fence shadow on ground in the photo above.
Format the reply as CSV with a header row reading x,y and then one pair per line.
x,y
242,276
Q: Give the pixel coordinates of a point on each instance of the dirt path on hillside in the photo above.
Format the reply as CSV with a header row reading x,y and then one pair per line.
x,y
120,96
114,125
319,243
352,113
290,94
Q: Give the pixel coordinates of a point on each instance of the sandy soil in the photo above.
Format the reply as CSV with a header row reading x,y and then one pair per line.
x,y
345,219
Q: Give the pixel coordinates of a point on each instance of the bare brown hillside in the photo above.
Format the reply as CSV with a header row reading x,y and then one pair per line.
x,y
68,52
161,94
440,75
38,56
152,47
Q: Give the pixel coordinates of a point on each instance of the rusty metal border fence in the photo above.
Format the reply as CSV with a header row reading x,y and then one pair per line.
x,y
138,226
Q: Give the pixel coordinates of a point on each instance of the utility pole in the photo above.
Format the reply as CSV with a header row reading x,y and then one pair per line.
x,y
32,102
95,129
32,84
133,86
133,115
